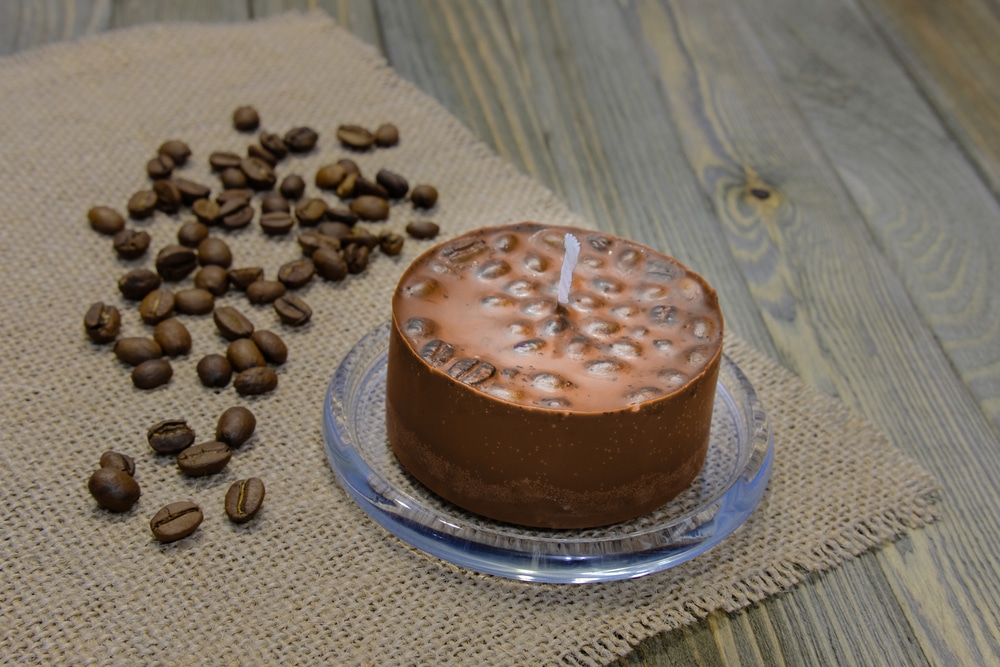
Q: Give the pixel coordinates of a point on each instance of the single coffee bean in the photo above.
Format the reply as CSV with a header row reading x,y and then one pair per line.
x,y
350,165
239,219
157,306
118,461
170,436
297,273
390,244
192,232
339,230
113,489
232,324
355,136
194,301
105,220
160,166
265,291
177,150
329,176
175,262
422,229
207,212
260,175
274,144
360,236
134,350
214,370
472,371
256,381
261,153
386,135
424,196
395,185
356,257
214,251
173,337
152,373
310,242
213,279
233,178
310,211
329,264
191,191
272,202
292,310
346,188
243,354
244,499
245,276
301,139
230,201
221,160
168,196
204,459
292,187
276,223
235,426
137,283
246,119
368,207
437,352
175,521
365,187
271,346
141,205
339,214
102,323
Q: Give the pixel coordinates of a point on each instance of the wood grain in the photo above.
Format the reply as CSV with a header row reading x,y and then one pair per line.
x,y
28,23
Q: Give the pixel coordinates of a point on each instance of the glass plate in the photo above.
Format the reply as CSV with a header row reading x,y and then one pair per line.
x,y
724,495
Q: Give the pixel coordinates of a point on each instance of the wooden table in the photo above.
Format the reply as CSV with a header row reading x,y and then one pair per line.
x,y
831,166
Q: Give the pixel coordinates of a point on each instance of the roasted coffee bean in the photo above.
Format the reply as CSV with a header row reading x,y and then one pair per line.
x,y
113,489
207,212
106,220
134,350
271,346
213,279
151,374
365,187
424,196
191,191
194,301
261,153
244,499
355,136
192,232
310,242
390,244
276,223
157,306
232,324
118,461
265,291
301,139
422,229
341,215
245,276
168,196
233,178
310,211
102,323
339,230
329,176
231,201
220,160
246,119
175,262
177,150
137,283
297,273
395,185
292,187
256,381
206,458
368,207
172,337
214,370
175,521
350,165
160,166
437,352
386,135
274,144
170,436
330,264
235,426
260,175
214,251
472,371
292,310
356,257
272,202
141,205
243,354
239,219
346,188
360,236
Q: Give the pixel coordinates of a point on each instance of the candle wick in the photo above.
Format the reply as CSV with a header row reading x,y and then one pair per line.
x,y
572,246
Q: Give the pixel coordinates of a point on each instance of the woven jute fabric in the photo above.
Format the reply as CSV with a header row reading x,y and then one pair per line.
x,y
312,579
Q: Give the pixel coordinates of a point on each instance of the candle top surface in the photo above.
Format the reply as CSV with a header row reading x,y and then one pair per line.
x,y
483,308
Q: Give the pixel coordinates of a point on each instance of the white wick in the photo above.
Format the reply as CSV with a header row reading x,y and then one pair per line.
x,y
572,246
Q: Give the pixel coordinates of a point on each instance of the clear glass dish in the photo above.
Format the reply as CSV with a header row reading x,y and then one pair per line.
x,y
721,499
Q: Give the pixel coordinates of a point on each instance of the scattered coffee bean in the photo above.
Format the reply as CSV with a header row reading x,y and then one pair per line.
x,y
390,244
170,436
232,200
301,139
310,242
137,283
214,370
328,177
160,166
173,337
350,165
422,229
177,150
265,291
341,215
194,301
244,277
244,499
339,230
106,220
246,119
238,219
297,273
175,521
235,426
368,207
152,373
157,306
360,236
113,489
232,324
346,188
192,232
276,223
271,346
260,175
203,459
261,153
215,251
355,136
102,323
256,381
141,205
386,135
274,144
213,279
365,187
272,202
395,185
292,187
191,191
292,310
356,257
134,350
207,212
424,196
168,196
329,264
233,178
220,160
243,354
118,461
175,262
310,211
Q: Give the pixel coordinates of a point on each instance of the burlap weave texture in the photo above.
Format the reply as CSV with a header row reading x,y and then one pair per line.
x,y
312,579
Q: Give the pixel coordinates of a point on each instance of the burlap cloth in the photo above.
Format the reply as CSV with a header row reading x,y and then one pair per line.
x,y
312,579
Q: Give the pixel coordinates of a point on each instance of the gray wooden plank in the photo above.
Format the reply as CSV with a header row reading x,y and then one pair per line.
x,y
28,23
135,12
358,16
